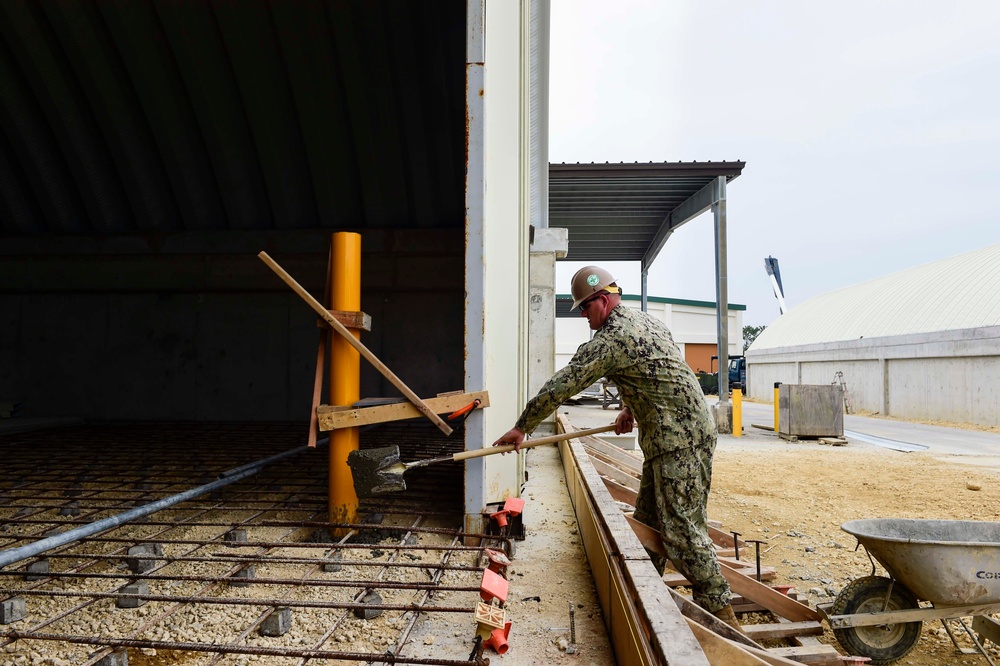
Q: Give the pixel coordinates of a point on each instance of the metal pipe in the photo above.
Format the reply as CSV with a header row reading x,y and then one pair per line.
x,y
262,650
13,555
345,374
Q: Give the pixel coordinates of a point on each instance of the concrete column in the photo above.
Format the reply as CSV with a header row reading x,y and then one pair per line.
x,y
549,245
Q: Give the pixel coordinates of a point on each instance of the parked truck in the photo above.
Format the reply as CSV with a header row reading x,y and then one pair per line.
x,y
737,375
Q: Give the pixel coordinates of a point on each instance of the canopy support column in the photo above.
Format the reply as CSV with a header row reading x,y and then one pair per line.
x,y
723,413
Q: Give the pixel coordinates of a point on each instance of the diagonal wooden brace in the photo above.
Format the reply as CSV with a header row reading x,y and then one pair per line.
x,y
354,342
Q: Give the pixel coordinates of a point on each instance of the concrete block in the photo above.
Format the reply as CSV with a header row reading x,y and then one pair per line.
x,y
141,558
334,567
723,414
811,410
37,570
371,597
117,658
239,578
138,587
551,240
12,610
277,623
235,536
70,509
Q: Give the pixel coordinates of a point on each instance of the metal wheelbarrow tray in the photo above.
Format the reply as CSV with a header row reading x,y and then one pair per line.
x,y
953,564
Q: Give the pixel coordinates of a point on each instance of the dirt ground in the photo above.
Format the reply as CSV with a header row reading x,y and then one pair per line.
x,y
796,495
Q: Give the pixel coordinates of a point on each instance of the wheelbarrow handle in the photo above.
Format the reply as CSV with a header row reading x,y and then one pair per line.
x,y
551,439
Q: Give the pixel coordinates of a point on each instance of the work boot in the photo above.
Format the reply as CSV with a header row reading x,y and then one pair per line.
x,y
727,615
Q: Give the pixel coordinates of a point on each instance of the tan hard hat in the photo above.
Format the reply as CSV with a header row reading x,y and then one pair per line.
x,y
588,281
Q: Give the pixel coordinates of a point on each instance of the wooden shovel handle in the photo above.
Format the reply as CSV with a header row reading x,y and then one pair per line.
x,y
551,439
354,342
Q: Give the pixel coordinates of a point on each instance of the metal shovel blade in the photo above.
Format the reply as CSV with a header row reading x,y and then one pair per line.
x,y
377,471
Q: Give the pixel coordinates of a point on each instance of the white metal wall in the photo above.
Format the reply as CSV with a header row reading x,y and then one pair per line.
x,y
496,255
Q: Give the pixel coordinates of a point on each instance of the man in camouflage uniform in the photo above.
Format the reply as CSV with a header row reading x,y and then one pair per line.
x,y
676,432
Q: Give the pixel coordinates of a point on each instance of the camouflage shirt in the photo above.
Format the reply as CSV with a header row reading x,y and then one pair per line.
x,y
638,354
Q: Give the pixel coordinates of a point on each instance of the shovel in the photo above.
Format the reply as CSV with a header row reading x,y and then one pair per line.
x,y
380,471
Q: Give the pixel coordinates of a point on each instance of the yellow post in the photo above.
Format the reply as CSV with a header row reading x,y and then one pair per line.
x,y
737,413
776,385
345,374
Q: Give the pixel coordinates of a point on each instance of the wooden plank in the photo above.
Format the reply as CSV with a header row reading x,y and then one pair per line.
x,y
813,654
317,388
347,319
808,641
693,611
987,628
332,417
741,605
675,579
610,460
621,493
628,462
783,630
628,496
610,471
724,539
774,601
721,652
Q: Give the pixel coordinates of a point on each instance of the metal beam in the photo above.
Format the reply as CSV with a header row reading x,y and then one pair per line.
x,y
722,286
694,206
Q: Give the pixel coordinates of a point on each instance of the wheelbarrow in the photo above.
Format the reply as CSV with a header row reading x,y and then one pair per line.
x,y
951,565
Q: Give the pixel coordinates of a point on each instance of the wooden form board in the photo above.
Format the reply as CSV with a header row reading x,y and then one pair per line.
x,y
627,583
623,488
644,629
332,417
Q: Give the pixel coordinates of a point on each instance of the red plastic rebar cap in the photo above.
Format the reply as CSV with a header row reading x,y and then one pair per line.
x,y
514,506
493,586
500,517
498,639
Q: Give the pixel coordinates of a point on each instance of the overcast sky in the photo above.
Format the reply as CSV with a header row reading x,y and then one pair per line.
x,y
870,131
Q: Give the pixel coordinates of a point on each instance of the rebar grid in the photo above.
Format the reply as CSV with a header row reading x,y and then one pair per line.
x,y
217,567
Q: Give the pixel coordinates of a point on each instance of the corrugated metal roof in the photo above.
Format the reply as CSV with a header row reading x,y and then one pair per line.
x,y
615,211
162,116
957,293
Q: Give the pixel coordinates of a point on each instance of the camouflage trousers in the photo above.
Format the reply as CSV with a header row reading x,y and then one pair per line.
x,y
673,498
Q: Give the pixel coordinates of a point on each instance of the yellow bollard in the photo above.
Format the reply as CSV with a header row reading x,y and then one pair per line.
x,y
776,385
737,413
345,375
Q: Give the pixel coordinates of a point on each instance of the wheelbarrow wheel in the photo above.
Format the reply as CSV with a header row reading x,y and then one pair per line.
x,y
883,644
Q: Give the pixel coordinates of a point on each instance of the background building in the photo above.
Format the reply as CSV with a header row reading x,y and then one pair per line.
x,y
692,323
923,343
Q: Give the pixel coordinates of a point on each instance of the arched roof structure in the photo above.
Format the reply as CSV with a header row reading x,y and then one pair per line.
x,y
961,292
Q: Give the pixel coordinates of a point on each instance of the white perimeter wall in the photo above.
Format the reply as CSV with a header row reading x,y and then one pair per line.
x,y
946,376
687,323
